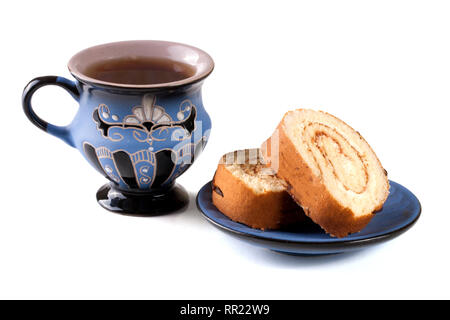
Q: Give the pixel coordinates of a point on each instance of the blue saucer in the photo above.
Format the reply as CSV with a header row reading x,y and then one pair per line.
x,y
400,211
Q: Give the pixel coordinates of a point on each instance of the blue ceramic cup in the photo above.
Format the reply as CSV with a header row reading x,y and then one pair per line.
x,y
140,136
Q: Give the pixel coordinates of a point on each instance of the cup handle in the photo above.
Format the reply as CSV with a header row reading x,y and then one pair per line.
x,y
62,132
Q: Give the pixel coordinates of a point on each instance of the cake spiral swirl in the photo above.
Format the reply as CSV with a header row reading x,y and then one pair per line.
x,y
331,170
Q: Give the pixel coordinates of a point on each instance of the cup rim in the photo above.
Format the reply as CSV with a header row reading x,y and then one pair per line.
x,y
203,66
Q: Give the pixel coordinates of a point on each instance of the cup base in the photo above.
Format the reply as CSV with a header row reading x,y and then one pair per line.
x,y
139,203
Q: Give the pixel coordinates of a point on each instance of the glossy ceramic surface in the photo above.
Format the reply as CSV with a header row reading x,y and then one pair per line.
x,y
399,213
139,137
158,202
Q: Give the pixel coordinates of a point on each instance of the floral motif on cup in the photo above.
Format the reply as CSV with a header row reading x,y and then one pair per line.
x,y
148,123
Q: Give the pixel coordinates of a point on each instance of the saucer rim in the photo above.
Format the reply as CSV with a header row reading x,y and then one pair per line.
x,y
333,244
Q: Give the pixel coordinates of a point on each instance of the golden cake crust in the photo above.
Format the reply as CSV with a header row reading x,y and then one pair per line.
x,y
239,202
310,192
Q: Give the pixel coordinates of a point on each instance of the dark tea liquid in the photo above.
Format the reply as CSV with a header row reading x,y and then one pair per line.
x,y
140,71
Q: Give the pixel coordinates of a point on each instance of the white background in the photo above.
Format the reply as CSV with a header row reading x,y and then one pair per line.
x,y
381,66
